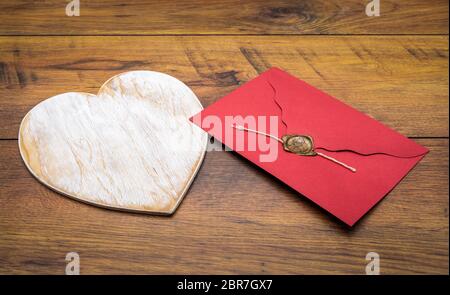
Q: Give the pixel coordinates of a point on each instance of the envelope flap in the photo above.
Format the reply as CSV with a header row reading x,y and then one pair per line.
x,y
334,125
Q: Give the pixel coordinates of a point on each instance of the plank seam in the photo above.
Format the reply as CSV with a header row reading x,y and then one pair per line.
x,y
220,35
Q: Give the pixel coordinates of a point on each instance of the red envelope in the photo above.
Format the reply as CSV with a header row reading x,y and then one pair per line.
x,y
380,155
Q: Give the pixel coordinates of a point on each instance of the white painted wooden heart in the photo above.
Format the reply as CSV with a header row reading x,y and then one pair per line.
x,y
130,147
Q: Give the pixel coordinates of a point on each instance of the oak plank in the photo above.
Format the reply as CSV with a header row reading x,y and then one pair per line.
x,y
110,17
236,219
400,80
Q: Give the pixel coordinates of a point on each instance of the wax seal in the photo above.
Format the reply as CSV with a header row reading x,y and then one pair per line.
x,y
299,144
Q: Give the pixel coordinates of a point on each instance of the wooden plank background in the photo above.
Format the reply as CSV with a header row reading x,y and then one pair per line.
x,y
236,219
406,77
180,17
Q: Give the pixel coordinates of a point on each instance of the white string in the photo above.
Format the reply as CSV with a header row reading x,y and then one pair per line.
x,y
239,127
242,128
337,162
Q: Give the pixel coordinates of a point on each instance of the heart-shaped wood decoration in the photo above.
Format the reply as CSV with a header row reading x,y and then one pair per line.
x,y
130,147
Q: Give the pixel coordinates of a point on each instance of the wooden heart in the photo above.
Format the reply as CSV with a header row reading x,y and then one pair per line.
x,y
130,147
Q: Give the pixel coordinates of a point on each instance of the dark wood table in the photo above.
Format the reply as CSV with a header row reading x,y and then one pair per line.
x,y
236,219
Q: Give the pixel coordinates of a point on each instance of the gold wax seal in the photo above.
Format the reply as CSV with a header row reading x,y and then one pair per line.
x,y
299,144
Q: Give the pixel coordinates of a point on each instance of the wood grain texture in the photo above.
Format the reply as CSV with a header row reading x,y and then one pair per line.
x,y
236,219
23,17
401,81
129,147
